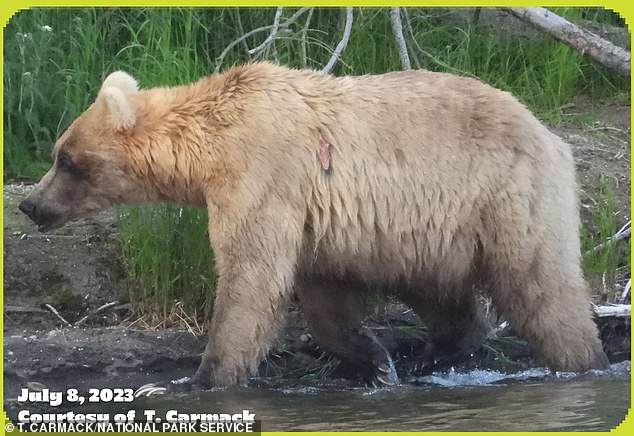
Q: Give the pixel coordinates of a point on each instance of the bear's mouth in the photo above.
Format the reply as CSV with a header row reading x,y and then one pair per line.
x,y
50,222
46,227
43,228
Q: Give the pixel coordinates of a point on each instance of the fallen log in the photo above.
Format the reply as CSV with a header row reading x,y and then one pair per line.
x,y
612,310
582,40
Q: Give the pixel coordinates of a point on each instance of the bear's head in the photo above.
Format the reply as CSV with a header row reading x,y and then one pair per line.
x,y
90,169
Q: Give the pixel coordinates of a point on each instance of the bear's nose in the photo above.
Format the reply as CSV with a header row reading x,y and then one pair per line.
x,y
27,207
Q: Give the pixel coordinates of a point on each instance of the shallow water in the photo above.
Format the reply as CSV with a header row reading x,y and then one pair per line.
x,y
479,400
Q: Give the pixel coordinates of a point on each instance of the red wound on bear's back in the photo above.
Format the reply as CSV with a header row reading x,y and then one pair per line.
x,y
324,153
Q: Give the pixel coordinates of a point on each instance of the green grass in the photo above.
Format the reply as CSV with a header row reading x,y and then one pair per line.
x,y
51,76
166,250
605,266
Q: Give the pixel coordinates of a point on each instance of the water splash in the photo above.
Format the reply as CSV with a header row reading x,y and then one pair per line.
x,y
479,377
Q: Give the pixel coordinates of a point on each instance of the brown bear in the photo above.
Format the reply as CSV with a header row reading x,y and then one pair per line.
x,y
426,185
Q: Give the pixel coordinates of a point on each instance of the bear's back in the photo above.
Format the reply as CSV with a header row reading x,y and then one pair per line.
x,y
417,159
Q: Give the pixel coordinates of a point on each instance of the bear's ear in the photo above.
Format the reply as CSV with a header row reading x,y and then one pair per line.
x,y
119,108
121,80
115,92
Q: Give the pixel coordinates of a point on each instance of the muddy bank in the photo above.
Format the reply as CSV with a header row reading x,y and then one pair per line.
x,y
76,356
75,269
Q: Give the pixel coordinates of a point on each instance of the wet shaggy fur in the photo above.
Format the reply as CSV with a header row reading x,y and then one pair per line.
x,y
437,185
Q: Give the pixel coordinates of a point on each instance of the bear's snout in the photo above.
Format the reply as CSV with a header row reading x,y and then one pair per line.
x,y
27,207
44,218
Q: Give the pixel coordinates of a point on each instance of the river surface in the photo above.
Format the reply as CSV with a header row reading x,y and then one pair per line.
x,y
533,400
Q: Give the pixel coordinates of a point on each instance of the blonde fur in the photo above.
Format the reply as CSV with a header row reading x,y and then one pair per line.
x,y
120,112
437,184
122,81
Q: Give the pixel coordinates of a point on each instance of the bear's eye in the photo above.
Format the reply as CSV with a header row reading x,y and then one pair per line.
x,y
65,163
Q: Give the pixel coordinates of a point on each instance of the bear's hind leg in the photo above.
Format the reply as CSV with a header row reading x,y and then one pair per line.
x,y
531,262
455,321
334,313
550,307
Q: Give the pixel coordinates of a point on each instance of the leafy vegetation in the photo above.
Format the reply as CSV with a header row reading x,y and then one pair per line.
x,y
603,262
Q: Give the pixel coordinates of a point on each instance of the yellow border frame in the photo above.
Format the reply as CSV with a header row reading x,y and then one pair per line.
x,y
623,7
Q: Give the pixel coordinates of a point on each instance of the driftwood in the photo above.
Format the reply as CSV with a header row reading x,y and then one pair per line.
x,y
612,310
9,308
582,40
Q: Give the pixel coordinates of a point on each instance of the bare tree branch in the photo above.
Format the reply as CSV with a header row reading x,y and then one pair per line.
x,y
410,31
626,290
582,40
241,29
623,233
56,313
432,57
99,309
295,16
397,29
342,44
304,31
282,26
232,44
269,39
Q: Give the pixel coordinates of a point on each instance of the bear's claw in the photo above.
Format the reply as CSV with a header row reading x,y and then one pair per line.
x,y
386,374
384,370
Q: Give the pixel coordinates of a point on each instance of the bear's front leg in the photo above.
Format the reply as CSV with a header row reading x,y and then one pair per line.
x,y
255,267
